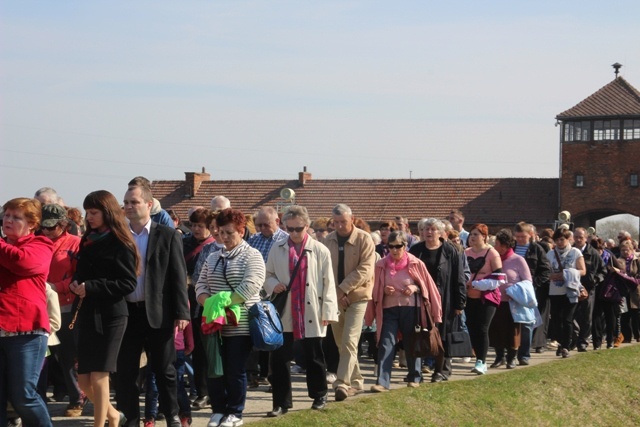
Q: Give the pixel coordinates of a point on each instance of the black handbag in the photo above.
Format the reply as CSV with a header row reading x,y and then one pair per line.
x,y
458,342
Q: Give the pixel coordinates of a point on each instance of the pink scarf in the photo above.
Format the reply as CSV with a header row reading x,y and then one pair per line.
x,y
297,291
506,254
393,267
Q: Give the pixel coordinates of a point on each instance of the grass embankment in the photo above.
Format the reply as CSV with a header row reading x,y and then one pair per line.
x,y
592,389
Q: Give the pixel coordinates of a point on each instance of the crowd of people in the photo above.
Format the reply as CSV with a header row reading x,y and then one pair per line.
x,y
85,303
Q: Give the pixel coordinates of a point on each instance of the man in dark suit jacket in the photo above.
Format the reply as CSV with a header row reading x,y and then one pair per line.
x,y
157,306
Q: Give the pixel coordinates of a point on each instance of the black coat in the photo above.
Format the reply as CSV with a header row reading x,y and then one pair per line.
x,y
165,281
451,280
539,266
596,270
108,270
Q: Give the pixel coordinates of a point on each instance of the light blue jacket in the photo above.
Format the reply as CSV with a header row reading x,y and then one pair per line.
x,y
523,302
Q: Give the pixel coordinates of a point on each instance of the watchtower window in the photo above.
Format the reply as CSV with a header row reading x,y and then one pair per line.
x,y
606,130
577,131
631,129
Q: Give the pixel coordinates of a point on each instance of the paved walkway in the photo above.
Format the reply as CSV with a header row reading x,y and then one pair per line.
x,y
259,400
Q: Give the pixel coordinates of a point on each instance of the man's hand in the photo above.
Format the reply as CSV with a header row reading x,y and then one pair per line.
x,y
344,302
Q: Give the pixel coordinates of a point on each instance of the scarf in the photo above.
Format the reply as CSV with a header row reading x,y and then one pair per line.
x,y
507,254
95,237
628,262
393,267
297,291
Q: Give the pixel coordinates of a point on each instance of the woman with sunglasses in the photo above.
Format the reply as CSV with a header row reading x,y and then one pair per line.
x,y
301,267
63,265
398,278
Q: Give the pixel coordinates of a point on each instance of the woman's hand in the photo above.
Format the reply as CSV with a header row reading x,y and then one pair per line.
x,y
612,268
279,288
78,289
389,290
557,277
410,290
202,298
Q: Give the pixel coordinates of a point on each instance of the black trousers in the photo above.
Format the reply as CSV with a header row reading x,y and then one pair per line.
x,y
331,352
583,318
597,323
541,333
280,377
562,311
479,316
630,324
198,357
161,355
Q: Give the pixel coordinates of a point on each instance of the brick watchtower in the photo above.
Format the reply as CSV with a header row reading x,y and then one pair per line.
x,y
600,154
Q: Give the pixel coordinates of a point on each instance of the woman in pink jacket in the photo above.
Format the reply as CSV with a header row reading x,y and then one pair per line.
x,y
399,276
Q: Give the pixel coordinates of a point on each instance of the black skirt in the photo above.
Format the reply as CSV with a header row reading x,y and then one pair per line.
x,y
99,352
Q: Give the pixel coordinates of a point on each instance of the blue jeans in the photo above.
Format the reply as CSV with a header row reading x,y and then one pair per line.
x,y
151,396
526,333
229,392
394,320
183,398
21,358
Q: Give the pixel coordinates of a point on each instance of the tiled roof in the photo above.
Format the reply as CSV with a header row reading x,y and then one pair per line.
x,y
617,98
492,201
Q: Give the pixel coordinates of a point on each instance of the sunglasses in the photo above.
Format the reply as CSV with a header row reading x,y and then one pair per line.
x,y
296,229
50,228
320,230
396,246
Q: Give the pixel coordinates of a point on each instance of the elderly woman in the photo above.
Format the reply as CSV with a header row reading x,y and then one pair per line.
x,y
107,268
301,267
399,277
504,334
629,264
320,228
483,260
237,268
63,266
448,268
563,257
24,266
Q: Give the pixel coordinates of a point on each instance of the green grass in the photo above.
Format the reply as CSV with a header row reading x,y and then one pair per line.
x,y
592,389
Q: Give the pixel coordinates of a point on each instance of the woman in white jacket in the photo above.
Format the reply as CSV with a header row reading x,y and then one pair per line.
x,y
301,267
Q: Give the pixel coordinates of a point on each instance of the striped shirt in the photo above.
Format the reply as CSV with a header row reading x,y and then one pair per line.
x,y
244,270
521,250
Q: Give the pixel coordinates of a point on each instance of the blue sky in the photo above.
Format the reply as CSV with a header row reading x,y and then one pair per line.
x,y
94,93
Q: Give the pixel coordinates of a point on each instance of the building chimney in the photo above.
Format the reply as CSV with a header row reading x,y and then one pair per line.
x,y
193,181
303,177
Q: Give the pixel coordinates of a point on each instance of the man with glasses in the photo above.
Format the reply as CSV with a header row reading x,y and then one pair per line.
x,y
268,231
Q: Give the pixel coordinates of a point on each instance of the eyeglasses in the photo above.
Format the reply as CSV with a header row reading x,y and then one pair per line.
x,y
296,229
320,230
50,228
396,246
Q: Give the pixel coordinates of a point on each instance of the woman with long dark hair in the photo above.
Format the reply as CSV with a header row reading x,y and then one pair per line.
x,y
107,271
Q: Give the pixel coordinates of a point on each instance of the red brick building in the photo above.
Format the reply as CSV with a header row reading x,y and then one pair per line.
x,y
600,164
600,149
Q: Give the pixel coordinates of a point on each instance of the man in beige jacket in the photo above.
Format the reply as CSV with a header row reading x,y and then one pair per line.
x,y
353,258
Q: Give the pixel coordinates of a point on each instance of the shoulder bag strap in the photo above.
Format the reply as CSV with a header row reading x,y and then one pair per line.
x,y
558,259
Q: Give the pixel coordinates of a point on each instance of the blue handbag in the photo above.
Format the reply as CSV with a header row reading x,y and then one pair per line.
x,y
265,326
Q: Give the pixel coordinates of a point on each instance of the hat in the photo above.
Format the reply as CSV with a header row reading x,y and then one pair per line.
x,y
52,214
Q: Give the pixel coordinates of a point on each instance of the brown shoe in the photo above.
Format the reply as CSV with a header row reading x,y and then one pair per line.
x,y
377,388
412,384
341,393
353,391
74,410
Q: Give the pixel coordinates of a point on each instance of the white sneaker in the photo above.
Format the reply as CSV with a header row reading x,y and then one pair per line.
x,y
231,421
215,420
331,377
